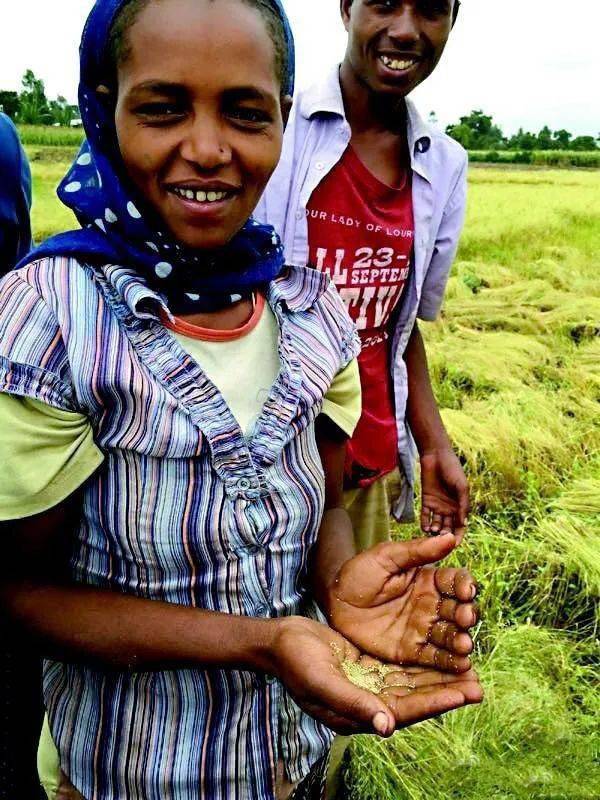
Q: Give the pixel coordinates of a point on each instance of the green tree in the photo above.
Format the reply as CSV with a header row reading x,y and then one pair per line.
x,y
523,140
33,104
544,139
477,131
9,103
562,139
61,111
584,143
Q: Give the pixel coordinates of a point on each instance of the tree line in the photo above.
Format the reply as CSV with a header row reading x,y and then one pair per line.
x,y
475,131
30,106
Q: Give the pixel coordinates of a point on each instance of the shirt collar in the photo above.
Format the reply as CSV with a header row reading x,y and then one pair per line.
x,y
298,288
133,289
325,97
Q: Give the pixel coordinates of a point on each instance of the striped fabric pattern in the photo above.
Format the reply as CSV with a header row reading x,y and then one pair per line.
x,y
184,510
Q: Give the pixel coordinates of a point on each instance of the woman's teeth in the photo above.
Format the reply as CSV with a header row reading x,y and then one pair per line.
x,y
397,63
199,196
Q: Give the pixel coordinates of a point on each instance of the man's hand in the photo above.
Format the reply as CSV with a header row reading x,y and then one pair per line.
x,y
445,494
387,603
309,659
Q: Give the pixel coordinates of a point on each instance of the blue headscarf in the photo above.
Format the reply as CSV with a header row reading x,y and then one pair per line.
x,y
119,227
15,197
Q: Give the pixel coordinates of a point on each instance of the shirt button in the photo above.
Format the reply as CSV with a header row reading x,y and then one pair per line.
x,y
244,484
298,215
261,610
320,166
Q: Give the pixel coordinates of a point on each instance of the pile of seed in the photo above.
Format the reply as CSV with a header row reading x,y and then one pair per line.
x,y
371,677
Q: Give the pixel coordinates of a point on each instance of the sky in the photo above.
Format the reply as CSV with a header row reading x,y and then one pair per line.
x,y
527,62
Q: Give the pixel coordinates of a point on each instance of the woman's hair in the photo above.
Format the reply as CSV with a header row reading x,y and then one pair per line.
x,y
119,48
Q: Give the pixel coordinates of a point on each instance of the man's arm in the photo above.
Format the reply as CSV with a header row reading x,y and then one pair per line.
x,y
445,490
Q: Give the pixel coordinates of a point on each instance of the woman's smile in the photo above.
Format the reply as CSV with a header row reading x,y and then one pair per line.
x,y
202,201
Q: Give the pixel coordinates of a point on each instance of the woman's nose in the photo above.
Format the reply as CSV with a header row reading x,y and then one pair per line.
x,y
205,145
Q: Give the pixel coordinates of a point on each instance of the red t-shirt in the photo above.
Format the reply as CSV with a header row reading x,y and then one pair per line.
x,y
361,232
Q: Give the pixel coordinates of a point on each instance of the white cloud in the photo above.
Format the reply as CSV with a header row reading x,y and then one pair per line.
x,y
529,62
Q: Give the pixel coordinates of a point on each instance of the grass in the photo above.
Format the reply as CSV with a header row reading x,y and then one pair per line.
x,y
516,366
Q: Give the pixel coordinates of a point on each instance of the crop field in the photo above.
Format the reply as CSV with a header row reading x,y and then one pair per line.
x,y
516,365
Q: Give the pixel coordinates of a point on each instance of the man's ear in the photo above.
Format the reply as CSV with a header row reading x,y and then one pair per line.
x,y
455,11
286,106
345,12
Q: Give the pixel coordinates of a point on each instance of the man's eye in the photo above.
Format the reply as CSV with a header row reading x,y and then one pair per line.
x,y
434,8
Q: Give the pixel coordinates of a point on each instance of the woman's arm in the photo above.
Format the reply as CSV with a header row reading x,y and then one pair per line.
x,y
117,631
77,623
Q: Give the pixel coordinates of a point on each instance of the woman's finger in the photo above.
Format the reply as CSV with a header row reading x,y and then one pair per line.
x,y
426,703
433,656
464,615
458,583
449,637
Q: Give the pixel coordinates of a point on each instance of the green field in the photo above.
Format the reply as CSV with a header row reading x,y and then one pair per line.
x,y
516,364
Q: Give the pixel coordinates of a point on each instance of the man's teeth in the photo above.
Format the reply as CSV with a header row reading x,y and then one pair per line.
x,y
399,64
200,197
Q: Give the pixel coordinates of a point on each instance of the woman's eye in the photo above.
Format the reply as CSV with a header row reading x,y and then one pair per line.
x,y
252,117
165,112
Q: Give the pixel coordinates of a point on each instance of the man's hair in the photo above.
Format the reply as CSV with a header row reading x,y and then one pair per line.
x,y
119,47
454,10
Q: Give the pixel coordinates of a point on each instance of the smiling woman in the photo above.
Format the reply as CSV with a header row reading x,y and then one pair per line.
x,y
174,408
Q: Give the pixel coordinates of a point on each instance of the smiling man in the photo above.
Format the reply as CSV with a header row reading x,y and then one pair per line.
x,y
370,194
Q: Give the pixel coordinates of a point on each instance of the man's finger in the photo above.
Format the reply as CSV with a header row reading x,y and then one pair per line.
x,y
447,524
436,522
426,519
464,503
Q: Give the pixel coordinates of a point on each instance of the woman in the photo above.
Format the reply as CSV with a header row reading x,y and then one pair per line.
x,y
193,399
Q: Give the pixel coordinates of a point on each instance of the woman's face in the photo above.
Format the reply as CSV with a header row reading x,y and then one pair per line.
x,y
199,115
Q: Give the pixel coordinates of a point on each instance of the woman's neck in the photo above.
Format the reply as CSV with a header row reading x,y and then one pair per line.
x,y
226,319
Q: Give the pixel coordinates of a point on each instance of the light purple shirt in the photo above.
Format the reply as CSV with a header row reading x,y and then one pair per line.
x,y
316,137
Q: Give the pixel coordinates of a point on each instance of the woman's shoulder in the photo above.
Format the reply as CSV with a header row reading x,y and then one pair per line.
x,y
51,277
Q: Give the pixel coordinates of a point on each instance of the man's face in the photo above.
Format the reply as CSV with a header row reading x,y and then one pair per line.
x,y
394,45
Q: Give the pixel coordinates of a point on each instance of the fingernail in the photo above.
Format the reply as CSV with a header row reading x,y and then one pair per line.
x,y
473,592
381,724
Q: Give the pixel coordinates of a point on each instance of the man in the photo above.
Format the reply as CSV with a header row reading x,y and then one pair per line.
x,y
20,672
370,194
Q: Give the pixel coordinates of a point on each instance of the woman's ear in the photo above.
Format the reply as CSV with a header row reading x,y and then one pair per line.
x,y
286,106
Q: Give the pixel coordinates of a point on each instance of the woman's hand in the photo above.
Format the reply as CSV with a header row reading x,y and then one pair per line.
x,y
388,604
308,659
